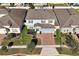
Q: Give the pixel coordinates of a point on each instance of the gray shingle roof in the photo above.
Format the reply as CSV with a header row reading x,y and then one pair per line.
x,y
40,14
14,16
65,15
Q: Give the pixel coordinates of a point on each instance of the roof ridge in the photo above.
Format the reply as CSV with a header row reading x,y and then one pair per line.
x,y
12,19
68,20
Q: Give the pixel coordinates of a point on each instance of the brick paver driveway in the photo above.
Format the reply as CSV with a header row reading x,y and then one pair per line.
x,y
2,36
46,38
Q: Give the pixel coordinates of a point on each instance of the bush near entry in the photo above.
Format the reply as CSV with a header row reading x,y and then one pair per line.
x,y
4,48
58,36
33,43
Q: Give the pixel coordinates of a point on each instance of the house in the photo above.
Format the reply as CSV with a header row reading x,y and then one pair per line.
x,y
68,20
11,20
40,19
48,20
40,4
73,4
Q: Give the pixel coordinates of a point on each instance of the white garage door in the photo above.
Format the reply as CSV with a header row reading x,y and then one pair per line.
x,y
2,31
77,30
48,30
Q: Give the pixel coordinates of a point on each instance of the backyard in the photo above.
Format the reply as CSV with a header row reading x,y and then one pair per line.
x,y
22,40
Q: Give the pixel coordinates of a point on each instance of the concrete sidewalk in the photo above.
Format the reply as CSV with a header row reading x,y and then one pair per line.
x,y
39,46
49,51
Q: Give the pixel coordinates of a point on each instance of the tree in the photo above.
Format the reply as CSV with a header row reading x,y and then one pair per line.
x,y
4,48
71,42
0,4
12,4
58,37
31,6
10,44
33,43
31,46
34,40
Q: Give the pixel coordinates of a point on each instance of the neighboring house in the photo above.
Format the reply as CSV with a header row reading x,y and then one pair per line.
x,y
47,20
15,4
73,4
11,20
5,4
68,20
40,4
41,19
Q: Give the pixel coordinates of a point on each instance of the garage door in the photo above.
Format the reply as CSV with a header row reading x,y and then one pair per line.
x,y
47,30
77,30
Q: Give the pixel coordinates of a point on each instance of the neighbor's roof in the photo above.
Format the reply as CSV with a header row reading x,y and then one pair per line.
x,y
40,14
44,25
66,16
13,16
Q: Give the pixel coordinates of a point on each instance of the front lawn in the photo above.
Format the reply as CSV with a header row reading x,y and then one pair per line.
x,y
77,10
20,50
22,40
65,39
73,46
68,51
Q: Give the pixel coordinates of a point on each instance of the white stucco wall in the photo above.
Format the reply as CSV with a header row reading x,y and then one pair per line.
x,y
37,21
2,31
77,30
12,30
66,30
47,30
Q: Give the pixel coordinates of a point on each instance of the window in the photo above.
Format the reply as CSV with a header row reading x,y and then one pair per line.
x,y
50,21
42,21
31,27
64,30
37,29
67,30
30,21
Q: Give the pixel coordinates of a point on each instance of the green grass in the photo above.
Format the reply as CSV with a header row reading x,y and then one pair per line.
x,y
68,51
20,50
59,4
62,40
74,50
23,40
77,10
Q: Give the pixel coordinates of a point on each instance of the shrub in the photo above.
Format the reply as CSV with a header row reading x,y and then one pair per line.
x,y
31,46
4,48
10,44
58,36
